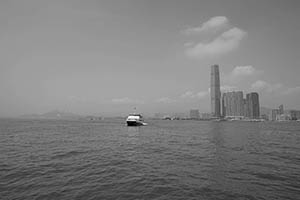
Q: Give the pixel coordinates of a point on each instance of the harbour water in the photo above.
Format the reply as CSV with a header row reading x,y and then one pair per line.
x,y
56,159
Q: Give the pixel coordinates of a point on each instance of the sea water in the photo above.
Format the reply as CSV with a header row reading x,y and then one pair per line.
x,y
60,159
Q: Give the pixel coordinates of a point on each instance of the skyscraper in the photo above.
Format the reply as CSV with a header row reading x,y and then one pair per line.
x,y
273,114
281,109
252,105
215,93
233,104
223,105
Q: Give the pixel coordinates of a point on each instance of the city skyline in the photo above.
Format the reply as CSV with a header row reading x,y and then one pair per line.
x,y
107,57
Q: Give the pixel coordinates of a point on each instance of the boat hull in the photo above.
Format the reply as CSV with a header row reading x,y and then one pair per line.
x,y
134,123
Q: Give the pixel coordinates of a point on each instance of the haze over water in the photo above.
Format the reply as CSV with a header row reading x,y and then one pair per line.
x,y
56,159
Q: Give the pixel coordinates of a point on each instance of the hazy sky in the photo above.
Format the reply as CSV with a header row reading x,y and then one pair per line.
x,y
106,57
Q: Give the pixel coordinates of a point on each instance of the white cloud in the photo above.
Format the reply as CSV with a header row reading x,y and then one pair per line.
x,y
223,43
226,42
244,71
165,100
228,88
240,73
192,95
188,94
202,94
126,100
277,88
212,25
263,86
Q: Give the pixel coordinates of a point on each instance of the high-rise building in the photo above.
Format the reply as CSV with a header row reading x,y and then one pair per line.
x,y
281,109
240,103
194,114
233,104
223,106
245,107
205,116
273,114
294,114
252,105
215,92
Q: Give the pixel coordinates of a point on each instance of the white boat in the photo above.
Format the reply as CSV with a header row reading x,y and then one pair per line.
x,y
135,120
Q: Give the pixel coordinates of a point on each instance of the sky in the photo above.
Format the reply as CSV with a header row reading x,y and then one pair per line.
x,y
106,57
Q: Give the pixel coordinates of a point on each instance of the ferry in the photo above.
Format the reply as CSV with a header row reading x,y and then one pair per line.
x,y
135,120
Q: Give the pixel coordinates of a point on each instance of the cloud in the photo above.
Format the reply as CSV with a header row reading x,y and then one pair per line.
x,y
212,25
202,94
165,100
189,44
127,100
188,94
228,88
224,43
240,73
192,95
263,86
244,71
277,88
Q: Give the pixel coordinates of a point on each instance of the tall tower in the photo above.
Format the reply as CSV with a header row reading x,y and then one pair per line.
x,y
215,93
252,101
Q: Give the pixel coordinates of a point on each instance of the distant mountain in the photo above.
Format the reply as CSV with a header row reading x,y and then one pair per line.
x,y
52,115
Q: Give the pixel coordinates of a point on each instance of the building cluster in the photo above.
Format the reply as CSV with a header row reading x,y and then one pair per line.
x,y
194,114
235,106
232,105
280,114
277,114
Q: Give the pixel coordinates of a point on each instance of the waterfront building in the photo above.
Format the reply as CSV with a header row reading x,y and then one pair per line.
x,y
233,104
280,108
245,108
215,92
205,116
294,114
264,116
179,115
194,114
273,114
223,107
252,105
282,117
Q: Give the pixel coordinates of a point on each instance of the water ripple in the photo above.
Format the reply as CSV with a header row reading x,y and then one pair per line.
x,y
51,159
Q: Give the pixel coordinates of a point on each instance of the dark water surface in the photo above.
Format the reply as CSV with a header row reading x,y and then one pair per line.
x,y
48,159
